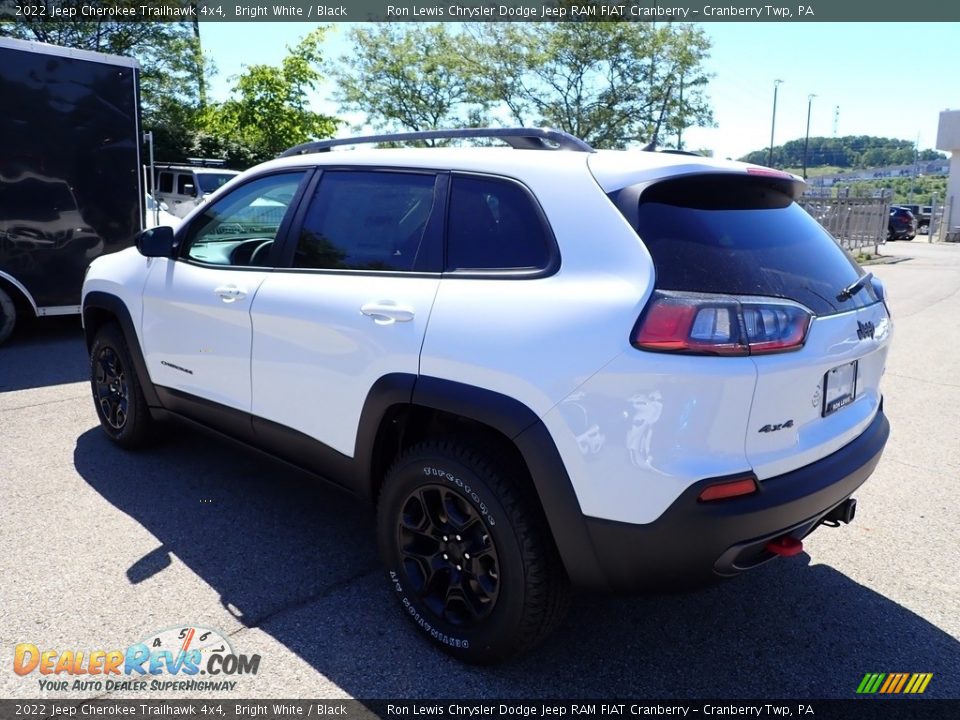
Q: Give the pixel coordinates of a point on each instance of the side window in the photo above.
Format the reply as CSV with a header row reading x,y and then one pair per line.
x,y
240,228
365,221
494,225
165,184
184,179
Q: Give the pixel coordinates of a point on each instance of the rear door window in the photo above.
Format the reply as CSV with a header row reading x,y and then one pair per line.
x,y
744,236
362,220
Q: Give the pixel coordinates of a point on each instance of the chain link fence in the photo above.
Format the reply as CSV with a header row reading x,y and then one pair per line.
x,y
855,222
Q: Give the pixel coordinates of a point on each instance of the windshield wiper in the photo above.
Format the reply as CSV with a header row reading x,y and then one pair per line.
x,y
853,288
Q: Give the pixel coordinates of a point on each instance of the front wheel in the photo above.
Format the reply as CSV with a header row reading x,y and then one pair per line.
x,y
468,553
117,396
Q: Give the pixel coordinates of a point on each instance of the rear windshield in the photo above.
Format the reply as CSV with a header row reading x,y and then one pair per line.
x,y
744,236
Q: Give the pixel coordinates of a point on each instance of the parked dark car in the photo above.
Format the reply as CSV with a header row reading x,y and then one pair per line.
x,y
902,224
922,214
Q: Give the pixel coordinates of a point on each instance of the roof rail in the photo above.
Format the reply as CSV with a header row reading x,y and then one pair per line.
x,y
519,138
207,162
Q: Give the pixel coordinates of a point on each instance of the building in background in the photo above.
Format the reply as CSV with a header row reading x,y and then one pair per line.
x,y
948,138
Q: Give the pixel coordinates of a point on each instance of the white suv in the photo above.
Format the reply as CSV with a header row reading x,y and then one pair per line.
x,y
544,366
185,188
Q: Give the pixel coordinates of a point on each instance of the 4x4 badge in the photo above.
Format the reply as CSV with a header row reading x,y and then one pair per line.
x,y
865,330
778,426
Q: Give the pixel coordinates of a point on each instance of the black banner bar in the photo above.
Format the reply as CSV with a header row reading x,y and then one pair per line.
x,y
871,708
778,11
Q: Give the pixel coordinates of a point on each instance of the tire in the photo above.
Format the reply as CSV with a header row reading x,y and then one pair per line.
x,y
443,500
8,315
117,396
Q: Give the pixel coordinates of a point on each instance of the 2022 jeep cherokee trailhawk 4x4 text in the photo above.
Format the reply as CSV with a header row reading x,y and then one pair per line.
x,y
545,366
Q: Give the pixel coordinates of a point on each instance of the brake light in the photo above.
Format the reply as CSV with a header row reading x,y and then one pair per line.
x,y
769,172
702,324
729,489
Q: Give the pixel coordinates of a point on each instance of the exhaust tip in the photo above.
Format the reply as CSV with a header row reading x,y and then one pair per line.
x,y
849,510
842,513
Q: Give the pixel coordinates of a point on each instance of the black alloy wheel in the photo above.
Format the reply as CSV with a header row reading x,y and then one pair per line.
x,y
117,395
468,552
112,393
449,557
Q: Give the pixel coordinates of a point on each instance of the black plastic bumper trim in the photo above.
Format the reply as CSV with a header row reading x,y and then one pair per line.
x,y
692,541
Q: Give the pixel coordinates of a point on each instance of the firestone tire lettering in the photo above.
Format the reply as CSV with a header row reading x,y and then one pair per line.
x,y
471,493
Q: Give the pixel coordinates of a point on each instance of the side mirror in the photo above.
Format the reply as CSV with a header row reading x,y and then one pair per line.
x,y
156,242
189,189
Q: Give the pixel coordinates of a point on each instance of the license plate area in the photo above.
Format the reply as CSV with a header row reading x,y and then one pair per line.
x,y
839,387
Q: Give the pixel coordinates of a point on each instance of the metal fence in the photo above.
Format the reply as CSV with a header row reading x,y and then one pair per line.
x,y
854,222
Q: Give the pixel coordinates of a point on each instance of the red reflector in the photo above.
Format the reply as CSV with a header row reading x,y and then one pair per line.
x,y
785,546
732,488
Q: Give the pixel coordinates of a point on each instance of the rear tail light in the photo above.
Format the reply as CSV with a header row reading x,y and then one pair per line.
x,y
702,324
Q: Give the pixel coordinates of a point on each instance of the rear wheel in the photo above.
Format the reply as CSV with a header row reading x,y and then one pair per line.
x,y
8,315
467,552
117,396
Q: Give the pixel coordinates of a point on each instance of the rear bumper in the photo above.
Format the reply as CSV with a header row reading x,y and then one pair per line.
x,y
902,233
693,542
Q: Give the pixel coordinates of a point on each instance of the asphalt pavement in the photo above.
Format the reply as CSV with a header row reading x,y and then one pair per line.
x,y
101,548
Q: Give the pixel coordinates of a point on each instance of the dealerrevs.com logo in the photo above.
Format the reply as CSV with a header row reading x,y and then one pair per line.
x,y
187,658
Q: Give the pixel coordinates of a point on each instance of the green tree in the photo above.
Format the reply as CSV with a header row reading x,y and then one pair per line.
x,y
611,84
269,109
852,151
406,76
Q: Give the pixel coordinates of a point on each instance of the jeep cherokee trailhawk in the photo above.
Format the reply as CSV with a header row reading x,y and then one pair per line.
x,y
544,365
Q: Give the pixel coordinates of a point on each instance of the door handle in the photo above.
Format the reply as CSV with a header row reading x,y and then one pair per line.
x,y
230,293
387,312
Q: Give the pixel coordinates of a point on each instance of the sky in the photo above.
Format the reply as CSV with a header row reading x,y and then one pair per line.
x,y
888,79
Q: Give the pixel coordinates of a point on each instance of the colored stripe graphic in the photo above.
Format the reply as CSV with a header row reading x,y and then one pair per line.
x,y
903,680
918,683
894,683
870,683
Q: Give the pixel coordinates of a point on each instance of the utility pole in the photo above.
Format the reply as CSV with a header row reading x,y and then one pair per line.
x,y
806,141
198,56
773,122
